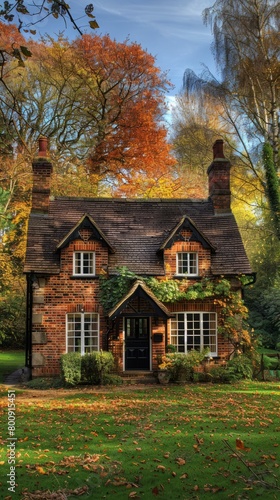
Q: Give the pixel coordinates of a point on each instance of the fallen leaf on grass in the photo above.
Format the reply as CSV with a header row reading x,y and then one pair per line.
x,y
180,461
212,489
54,495
161,467
240,445
155,491
184,476
41,470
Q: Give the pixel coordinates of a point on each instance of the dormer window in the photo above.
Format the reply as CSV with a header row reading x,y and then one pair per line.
x,y
187,264
84,264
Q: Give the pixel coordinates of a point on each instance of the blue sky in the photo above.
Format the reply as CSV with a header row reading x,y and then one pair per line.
x,y
172,31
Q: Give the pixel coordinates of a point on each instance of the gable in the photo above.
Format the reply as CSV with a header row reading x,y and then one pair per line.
x,y
186,230
139,289
86,229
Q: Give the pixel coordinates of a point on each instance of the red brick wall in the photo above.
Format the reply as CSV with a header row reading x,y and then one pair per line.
x,y
62,294
204,257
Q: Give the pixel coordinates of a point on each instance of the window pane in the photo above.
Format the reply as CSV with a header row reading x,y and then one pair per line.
x,y
77,263
88,263
84,263
201,331
187,263
82,332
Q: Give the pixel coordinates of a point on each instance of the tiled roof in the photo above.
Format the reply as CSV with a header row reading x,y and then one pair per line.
x,y
136,229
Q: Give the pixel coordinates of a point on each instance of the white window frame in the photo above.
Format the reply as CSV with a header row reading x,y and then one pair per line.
x,y
76,339
189,264
81,265
185,338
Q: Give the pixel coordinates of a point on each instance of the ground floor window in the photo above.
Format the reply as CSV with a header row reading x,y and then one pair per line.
x,y
82,332
195,330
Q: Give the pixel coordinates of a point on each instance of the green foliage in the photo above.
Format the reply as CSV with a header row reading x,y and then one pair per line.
x,y
114,288
238,368
264,315
111,379
272,186
12,324
96,366
71,367
217,374
10,361
45,383
165,290
270,363
92,368
181,366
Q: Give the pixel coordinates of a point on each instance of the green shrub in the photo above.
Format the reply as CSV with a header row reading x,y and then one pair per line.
x,y
181,366
221,375
92,368
71,367
96,365
270,363
110,379
240,367
89,372
44,383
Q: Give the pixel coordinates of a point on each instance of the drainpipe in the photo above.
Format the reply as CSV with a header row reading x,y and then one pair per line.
x,y
28,328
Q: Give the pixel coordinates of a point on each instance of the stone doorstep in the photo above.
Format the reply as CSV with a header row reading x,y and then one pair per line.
x,y
138,377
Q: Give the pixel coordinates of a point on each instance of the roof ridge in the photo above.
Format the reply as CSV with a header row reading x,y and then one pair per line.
x,y
130,200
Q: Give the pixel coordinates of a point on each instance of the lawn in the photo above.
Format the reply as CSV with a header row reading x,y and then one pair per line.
x,y
10,361
183,442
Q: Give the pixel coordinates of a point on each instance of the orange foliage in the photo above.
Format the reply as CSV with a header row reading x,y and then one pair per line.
x,y
10,37
128,97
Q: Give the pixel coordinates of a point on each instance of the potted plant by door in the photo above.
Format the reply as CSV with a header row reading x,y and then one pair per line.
x,y
164,373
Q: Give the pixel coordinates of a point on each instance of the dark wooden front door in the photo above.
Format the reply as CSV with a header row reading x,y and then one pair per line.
x,y
137,343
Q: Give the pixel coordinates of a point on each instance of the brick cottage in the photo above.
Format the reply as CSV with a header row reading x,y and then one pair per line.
x,y
72,242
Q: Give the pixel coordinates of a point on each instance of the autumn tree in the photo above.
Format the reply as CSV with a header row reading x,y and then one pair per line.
x,y
195,127
97,100
246,49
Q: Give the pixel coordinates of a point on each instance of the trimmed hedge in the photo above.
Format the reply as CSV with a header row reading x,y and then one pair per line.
x,y
71,367
92,368
96,365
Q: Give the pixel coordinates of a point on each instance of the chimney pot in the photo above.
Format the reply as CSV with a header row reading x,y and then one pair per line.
x,y
43,145
218,149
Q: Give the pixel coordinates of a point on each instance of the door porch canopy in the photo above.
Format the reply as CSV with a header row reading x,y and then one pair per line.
x,y
140,290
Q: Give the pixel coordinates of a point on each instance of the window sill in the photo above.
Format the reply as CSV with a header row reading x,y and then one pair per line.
x,y
84,277
188,277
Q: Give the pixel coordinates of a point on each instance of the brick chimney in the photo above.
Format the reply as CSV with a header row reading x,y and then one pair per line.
x,y
42,170
219,179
